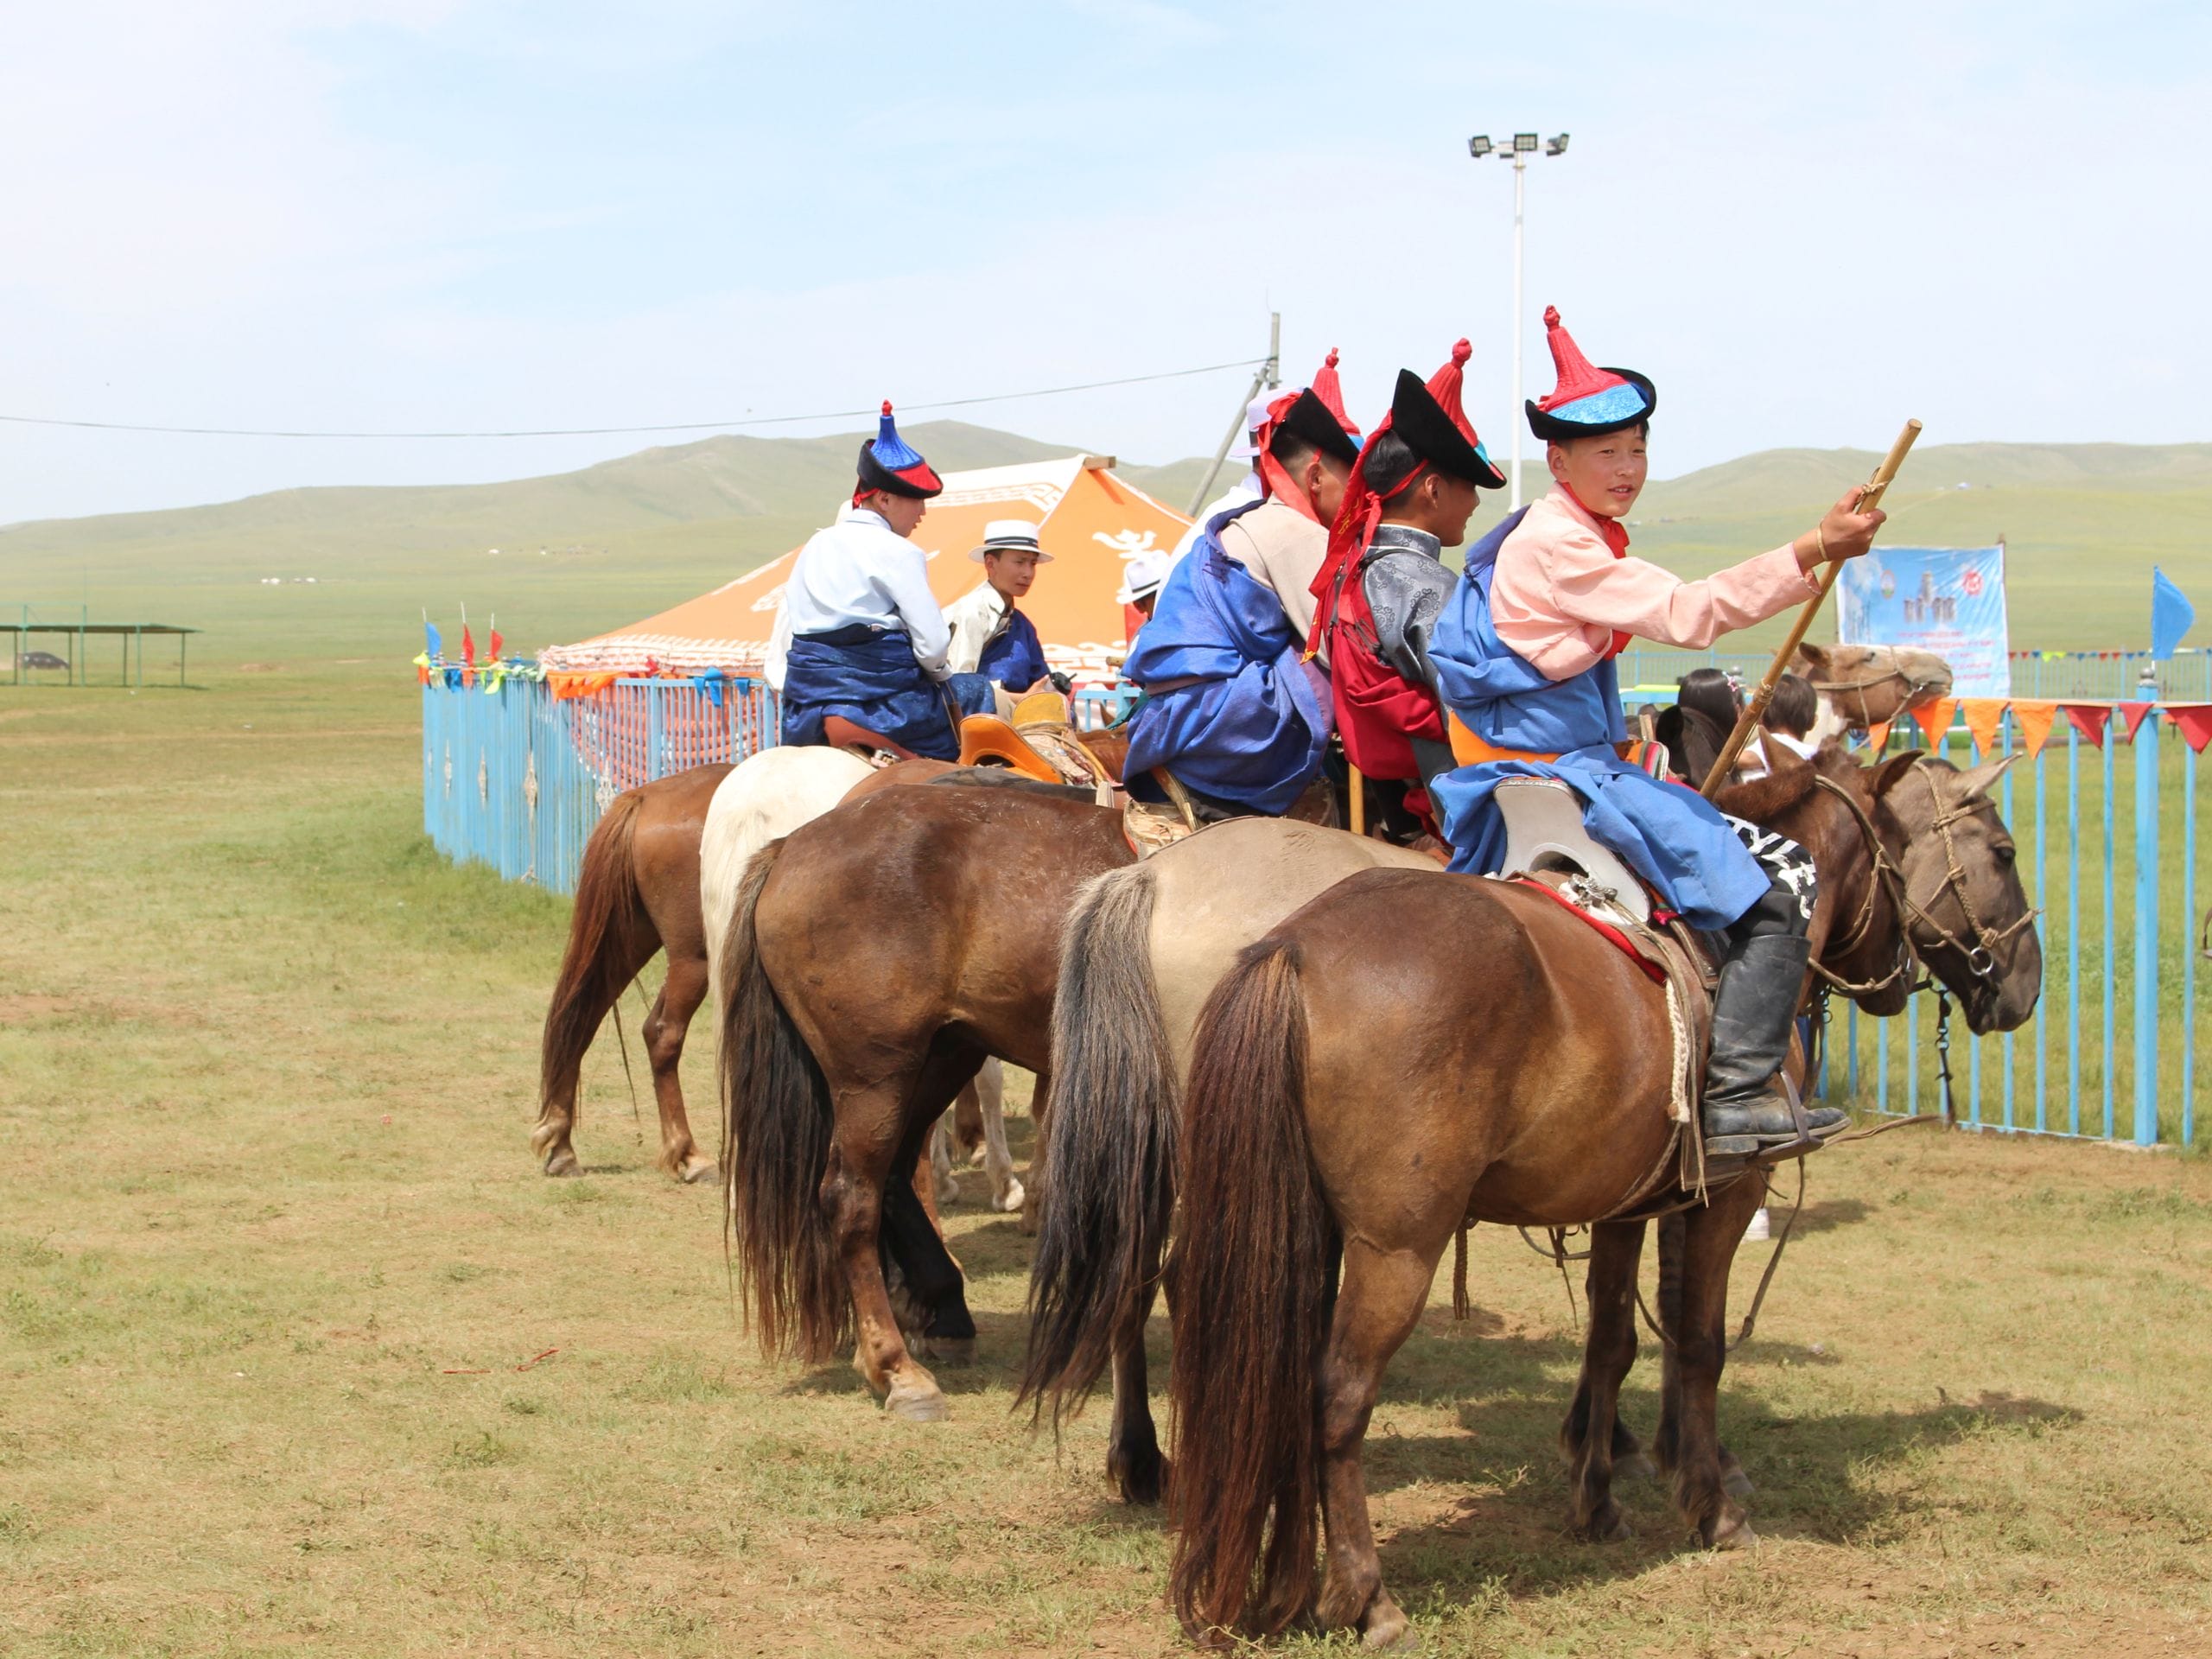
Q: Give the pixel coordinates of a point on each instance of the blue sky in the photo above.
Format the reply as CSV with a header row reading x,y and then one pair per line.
x,y
1804,223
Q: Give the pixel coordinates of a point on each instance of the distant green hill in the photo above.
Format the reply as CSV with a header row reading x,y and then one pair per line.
x,y
2084,523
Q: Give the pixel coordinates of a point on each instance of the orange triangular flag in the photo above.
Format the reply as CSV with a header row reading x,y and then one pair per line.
x,y
2034,717
1983,715
1878,736
1934,719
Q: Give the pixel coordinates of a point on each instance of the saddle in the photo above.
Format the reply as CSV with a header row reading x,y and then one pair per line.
x,y
873,747
1039,742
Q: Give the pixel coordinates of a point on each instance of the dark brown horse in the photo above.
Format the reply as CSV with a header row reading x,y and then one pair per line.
x,y
1528,1067
875,957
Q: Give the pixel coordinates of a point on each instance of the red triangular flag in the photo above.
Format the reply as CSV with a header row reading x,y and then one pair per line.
x,y
1934,719
2034,715
2089,719
498,644
467,646
2131,716
2196,722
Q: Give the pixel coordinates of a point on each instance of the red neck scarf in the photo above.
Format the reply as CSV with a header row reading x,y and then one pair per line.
x,y
1277,485
1616,538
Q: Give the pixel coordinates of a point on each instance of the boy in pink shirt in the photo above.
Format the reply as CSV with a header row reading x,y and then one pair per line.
x,y
1524,656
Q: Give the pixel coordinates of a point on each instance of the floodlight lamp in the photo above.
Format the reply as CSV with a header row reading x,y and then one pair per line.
x,y
1556,146
1479,145
1525,142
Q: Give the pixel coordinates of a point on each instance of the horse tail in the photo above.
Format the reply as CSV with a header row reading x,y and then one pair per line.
x,y
609,912
777,1122
1250,1290
1110,1158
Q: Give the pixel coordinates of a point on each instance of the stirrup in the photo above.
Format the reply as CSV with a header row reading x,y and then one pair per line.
x,y
1750,1150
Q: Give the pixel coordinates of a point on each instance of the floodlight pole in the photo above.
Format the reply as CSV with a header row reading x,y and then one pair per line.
x,y
1516,148
1513,409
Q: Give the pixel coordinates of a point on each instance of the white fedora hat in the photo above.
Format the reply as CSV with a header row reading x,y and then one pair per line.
x,y
1009,536
1143,574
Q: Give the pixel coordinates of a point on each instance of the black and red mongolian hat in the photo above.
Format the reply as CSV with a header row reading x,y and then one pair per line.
x,y
888,464
1435,425
1317,416
1588,402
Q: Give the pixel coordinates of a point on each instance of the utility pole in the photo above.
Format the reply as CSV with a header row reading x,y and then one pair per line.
x,y
1268,377
1518,151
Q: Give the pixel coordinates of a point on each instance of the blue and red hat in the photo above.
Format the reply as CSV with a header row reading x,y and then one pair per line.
x,y
1587,402
890,465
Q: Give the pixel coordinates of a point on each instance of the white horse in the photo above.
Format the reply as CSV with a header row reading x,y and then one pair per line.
x,y
767,796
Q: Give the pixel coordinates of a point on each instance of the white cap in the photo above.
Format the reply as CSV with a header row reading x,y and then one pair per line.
x,y
1143,574
1009,535
1255,416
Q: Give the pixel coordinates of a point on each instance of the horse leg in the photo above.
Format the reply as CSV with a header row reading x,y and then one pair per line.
x,y
1592,1436
1133,1459
665,1027
967,1119
1033,1194
1377,1307
1699,1328
941,1175
861,1194
989,1088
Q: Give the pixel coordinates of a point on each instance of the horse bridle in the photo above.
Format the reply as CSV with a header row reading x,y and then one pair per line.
x,y
1980,956
1913,689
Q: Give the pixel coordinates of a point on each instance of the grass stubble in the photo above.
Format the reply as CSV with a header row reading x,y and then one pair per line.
x,y
275,1261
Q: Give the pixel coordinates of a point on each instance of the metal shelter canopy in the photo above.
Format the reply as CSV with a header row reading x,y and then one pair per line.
x,y
133,634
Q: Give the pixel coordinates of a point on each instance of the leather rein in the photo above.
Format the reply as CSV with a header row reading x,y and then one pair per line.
x,y
1858,687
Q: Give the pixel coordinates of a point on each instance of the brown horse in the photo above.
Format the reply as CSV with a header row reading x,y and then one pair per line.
x,y
875,957
1861,686
1528,1066
637,893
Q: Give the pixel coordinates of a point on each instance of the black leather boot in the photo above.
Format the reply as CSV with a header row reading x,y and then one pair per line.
x,y
1746,1111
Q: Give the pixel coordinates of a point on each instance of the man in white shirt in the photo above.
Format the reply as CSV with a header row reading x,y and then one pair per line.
x,y
867,640
990,636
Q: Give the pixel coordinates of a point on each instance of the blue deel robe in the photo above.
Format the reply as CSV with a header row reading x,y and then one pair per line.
x,y
1016,658
1230,709
1670,835
869,676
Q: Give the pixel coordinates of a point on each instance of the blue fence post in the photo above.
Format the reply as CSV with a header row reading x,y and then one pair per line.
x,y
2112,968
2188,945
2073,929
2042,887
2146,930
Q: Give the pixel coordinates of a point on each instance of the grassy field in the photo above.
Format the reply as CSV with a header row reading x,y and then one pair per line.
x,y
298,1352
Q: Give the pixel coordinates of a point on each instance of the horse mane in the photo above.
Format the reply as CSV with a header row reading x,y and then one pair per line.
x,y
1006,778
1789,780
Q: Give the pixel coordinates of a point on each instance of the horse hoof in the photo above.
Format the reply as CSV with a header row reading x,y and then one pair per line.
x,y
1388,1629
916,1404
949,1350
948,1191
1010,1200
696,1170
1621,1532
563,1161
1740,1536
1637,1466
1736,1484
1029,1219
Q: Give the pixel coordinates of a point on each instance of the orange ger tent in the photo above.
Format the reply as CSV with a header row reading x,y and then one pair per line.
x,y
1091,522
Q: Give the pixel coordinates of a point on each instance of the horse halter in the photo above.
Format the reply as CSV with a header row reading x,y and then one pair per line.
x,y
1980,956
1913,687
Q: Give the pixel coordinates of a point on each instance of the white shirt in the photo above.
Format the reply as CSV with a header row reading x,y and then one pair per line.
x,y
860,570
1752,762
1245,491
975,618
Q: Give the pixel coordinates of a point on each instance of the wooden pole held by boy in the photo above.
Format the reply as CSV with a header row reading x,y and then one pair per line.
x,y
1763,694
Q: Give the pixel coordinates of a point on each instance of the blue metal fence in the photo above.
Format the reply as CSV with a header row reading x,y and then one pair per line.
x,y
2129,826
2102,675
516,780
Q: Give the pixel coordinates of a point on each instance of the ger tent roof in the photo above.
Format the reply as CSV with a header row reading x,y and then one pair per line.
x,y
1091,522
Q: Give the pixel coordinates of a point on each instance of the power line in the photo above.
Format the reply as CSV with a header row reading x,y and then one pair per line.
x,y
614,431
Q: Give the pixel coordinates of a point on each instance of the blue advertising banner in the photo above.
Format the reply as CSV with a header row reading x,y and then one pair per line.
x,y
1947,600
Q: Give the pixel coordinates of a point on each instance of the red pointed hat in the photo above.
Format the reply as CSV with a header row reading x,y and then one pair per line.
x,y
1316,414
890,463
1433,423
1588,401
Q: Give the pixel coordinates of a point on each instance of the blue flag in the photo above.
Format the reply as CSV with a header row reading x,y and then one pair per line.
x,y
2172,615
433,644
